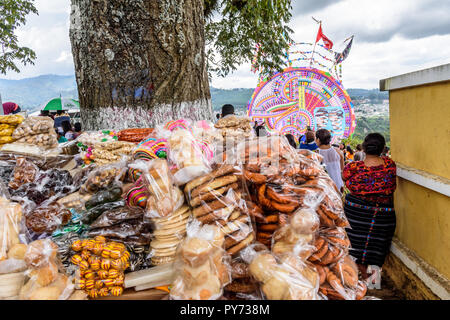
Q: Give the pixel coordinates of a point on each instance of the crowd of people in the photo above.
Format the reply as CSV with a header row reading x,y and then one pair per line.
x,y
366,178
63,126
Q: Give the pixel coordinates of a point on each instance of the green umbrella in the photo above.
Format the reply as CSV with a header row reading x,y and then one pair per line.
x,y
62,104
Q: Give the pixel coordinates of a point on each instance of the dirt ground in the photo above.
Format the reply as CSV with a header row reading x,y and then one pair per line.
x,y
387,291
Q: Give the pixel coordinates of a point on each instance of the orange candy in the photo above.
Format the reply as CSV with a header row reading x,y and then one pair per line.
x,y
95,266
117,264
89,244
93,293
118,282
106,253
100,239
89,274
98,284
90,284
77,245
103,292
108,282
115,254
81,283
113,273
98,248
103,274
85,254
76,259
83,265
106,264
116,291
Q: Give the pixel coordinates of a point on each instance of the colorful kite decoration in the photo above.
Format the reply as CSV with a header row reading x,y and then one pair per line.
x,y
305,96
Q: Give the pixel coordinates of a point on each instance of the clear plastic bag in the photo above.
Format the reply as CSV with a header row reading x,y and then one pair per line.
x,y
282,278
10,218
192,157
201,265
164,197
104,177
101,265
33,126
24,172
47,279
167,234
47,218
220,198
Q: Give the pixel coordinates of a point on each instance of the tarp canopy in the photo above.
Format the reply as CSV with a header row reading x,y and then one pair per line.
x,y
61,104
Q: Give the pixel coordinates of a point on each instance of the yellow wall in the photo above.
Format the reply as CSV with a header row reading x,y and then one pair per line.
x,y
423,223
420,139
420,130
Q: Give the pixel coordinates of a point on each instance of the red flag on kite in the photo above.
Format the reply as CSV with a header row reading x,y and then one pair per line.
x,y
327,42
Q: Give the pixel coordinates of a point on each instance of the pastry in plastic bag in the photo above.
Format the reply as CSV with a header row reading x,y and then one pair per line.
x,y
24,172
164,197
201,266
217,198
33,126
10,217
285,278
47,218
47,280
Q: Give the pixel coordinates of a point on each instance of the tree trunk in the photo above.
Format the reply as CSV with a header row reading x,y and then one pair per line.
x,y
139,63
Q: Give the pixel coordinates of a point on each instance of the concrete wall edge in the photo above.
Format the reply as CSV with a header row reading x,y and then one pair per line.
x,y
424,179
422,77
437,283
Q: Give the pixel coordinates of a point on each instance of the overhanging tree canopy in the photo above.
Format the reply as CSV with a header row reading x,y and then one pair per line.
x,y
140,63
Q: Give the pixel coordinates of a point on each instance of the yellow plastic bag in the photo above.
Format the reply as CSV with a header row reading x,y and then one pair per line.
x,y
6,139
6,132
14,119
7,126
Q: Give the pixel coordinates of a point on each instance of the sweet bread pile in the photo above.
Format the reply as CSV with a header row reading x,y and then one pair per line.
x,y
37,131
47,282
201,267
10,217
285,278
298,210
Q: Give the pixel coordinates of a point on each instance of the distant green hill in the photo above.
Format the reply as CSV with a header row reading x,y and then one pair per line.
x,y
32,93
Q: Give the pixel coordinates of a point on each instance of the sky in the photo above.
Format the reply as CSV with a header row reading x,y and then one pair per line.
x,y
391,38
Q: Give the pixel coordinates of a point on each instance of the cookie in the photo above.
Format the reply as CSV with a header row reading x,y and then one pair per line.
x,y
170,231
223,170
172,224
241,245
233,216
211,195
162,260
235,237
268,227
223,202
221,214
214,184
159,244
235,225
183,211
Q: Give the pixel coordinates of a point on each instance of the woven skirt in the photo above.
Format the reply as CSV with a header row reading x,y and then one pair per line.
x,y
371,232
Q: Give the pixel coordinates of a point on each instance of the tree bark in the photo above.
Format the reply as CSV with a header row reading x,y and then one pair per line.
x,y
139,63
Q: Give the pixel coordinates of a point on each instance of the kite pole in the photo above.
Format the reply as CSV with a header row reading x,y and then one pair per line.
x,y
315,41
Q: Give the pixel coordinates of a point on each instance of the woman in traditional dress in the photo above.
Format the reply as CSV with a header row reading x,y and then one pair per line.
x,y
369,206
